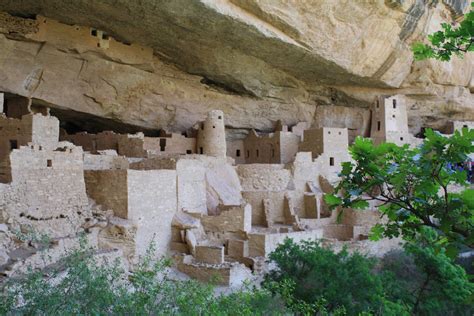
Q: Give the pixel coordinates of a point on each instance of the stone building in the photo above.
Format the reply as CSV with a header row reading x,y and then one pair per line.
x,y
46,189
390,121
182,193
459,125
146,198
36,129
210,141
211,135
326,140
278,147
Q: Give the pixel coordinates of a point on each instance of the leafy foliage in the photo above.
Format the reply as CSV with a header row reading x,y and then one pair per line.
x,y
427,282
340,280
449,40
85,286
414,186
417,281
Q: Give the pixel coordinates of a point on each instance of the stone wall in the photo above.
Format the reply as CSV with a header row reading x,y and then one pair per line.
x,y
50,188
262,244
152,205
146,198
191,186
230,219
109,189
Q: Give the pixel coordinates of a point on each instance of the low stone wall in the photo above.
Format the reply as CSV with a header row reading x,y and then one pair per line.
x,y
262,244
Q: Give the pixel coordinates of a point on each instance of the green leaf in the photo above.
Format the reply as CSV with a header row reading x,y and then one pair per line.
x,y
376,232
360,204
332,200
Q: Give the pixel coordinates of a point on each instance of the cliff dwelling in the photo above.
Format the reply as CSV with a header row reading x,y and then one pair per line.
x,y
214,149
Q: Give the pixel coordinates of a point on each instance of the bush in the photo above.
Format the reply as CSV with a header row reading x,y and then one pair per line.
x,y
82,285
428,283
340,279
421,280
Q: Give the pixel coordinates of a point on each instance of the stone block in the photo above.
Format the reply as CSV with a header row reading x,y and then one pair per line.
x,y
238,248
210,254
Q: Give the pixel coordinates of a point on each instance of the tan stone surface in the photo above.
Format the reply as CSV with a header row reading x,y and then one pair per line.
x,y
282,66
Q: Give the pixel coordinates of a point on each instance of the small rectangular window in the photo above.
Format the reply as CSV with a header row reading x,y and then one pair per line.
x,y
49,163
331,161
93,32
273,152
201,151
189,151
162,144
378,125
248,153
394,103
237,153
256,152
13,144
401,138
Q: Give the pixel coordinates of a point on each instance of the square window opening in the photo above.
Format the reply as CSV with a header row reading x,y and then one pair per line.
x,y
13,144
49,163
237,153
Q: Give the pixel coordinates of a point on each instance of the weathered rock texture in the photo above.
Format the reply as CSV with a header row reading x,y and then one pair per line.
x,y
257,61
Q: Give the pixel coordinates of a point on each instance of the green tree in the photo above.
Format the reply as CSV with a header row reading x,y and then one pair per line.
x,y
427,282
340,281
449,40
416,188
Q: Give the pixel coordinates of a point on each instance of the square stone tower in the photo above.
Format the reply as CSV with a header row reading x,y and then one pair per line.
x,y
389,120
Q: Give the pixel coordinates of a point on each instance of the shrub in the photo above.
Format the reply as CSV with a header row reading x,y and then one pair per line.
x,y
82,285
421,280
427,282
341,279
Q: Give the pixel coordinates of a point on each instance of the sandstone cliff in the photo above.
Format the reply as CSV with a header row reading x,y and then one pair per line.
x,y
257,60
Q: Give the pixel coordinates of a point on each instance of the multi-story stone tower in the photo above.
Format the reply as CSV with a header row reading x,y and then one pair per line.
x,y
211,135
389,120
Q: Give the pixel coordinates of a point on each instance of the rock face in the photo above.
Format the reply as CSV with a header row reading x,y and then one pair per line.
x,y
257,61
